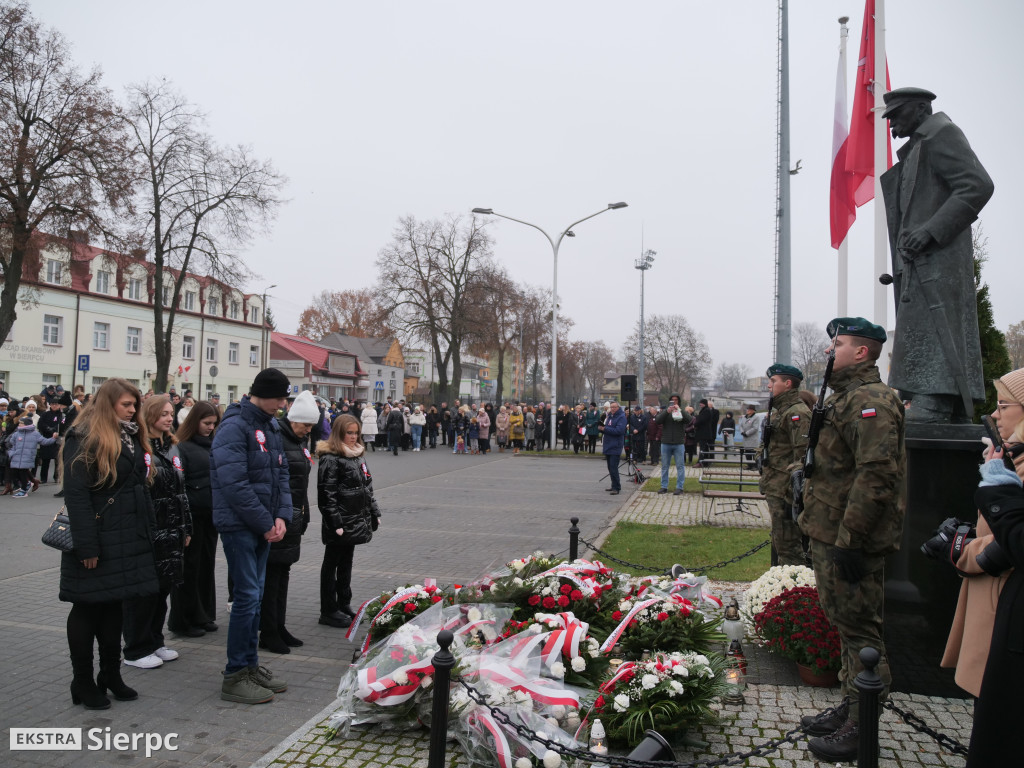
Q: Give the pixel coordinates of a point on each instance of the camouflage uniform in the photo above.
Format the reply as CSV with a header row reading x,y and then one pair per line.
x,y
856,499
789,421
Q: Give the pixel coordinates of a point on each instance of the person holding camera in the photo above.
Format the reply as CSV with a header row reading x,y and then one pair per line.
x,y
673,422
980,560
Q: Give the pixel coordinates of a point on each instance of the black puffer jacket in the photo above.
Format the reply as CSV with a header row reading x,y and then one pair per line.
x,y
173,519
195,460
286,551
345,496
113,523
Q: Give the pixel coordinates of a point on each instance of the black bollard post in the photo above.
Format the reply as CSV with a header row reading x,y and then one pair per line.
x,y
574,539
443,662
869,686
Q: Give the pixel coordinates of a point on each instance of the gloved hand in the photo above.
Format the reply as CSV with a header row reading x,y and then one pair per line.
x,y
849,563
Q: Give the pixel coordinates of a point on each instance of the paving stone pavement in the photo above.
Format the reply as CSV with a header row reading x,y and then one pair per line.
x,y
449,517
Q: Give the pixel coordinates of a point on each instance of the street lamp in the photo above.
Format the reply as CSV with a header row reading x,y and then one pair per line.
x,y
263,330
554,296
645,262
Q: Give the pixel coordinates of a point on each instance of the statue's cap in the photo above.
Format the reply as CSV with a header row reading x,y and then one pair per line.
x,y
897,98
781,369
855,326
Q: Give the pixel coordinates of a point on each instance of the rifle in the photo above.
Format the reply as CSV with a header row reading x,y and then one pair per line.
x,y
766,436
817,420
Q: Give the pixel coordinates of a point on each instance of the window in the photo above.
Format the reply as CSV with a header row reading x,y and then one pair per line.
x,y
134,289
213,305
165,296
135,382
190,300
254,314
234,310
53,270
133,342
233,393
211,350
100,336
53,329
48,379
97,382
233,353
102,282
188,347
254,355
209,392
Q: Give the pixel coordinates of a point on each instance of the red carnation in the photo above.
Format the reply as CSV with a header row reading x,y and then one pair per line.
x,y
548,602
576,595
662,616
599,703
397,655
436,598
534,599
410,607
617,615
565,589
563,601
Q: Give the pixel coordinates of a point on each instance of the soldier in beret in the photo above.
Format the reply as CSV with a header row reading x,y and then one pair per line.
x,y
853,514
788,422
932,196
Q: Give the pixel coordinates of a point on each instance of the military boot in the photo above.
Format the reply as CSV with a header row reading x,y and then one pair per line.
x,y
824,723
840,746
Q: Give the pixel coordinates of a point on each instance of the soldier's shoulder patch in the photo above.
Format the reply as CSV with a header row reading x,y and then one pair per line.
x,y
795,417
867,413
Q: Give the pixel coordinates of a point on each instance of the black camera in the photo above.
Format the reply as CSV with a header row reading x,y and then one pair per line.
x,y
949,540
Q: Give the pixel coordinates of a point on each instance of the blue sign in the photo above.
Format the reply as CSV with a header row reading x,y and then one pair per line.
x,y
379,386
83,362
295,388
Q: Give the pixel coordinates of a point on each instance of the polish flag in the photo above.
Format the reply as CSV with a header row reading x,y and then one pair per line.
x,y
842,210
860,153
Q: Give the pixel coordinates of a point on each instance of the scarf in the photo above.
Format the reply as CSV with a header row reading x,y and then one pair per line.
x,y
353,453
128,430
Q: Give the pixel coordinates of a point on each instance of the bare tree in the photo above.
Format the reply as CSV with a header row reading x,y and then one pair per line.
x,y
501,302
67,159
675,355
596,359
732,375
433,299
1015,345
809,344
202,201
355,312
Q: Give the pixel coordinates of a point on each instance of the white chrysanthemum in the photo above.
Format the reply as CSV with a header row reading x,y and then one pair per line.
x,y
649,681
675,685
572,720
517,582
557,711
578,664
401,678
552,759
680,670
624,606
701,659
426,682
473,614
536,629
524,762
558,669
547,592
621,702
522,698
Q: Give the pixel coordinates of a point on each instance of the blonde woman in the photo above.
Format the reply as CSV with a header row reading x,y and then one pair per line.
x,y
516,429
107,500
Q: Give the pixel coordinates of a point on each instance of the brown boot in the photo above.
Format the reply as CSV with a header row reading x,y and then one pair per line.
x,y
7,489
35,485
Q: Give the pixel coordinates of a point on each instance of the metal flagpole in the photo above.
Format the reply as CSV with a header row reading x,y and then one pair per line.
x,y
784,309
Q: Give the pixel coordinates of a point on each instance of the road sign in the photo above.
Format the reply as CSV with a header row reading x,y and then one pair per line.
x,y
295,388
379,386
83,362
213,371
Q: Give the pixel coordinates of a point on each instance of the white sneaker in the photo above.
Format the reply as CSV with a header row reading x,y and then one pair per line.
x,y
146,662
229,607
165,654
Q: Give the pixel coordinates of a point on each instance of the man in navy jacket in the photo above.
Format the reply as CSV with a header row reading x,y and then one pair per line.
x,y
252,505
614,431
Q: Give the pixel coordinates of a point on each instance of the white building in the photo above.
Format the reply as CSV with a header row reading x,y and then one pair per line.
x,y
91,318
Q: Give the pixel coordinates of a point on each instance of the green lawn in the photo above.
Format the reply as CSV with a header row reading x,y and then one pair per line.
x,y
692,546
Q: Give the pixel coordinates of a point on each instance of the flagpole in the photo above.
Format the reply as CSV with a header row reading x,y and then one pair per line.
x,y
881,166
783,297
844,264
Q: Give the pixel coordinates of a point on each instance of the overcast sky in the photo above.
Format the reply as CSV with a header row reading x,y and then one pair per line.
x,y
548,111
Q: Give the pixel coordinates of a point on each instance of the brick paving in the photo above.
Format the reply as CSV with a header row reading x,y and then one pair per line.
x,y
448,517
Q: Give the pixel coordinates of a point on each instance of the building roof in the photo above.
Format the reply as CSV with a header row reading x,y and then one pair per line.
x,y
315,354
365,347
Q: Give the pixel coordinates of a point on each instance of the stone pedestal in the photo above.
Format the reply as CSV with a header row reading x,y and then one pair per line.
x,y
921,593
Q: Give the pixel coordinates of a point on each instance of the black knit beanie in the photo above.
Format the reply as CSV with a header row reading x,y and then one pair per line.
x,y
270,383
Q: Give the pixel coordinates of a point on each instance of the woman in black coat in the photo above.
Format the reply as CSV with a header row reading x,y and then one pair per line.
x,y
144,616
350,516
194,603
112,523
296,426
396,429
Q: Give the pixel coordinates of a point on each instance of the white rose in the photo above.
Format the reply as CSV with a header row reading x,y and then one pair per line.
x,y
524,762
557,711
649,681
573,720
517,582
473,614
536,629
558,669
426,682
624,606
578,664
675,685
401,678
699,659
552,759
680,670
621,702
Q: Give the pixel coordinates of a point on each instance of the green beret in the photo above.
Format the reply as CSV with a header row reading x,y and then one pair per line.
x,y
781,369
855,326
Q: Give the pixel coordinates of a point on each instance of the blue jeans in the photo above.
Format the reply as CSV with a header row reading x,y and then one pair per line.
x,y
246,553
613,470
417,435
668,450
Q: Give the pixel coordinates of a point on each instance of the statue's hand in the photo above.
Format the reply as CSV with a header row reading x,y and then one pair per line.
x,y
918,240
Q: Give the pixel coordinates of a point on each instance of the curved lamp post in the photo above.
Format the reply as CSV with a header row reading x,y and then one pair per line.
x,y
554,295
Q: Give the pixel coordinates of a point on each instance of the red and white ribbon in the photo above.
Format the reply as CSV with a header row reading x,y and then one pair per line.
x,y
386,691
397,598
578,566
262,440
622,670
538,688
481,720
566,639
613,638
149,463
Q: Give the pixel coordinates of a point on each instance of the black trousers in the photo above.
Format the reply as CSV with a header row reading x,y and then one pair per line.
x,y
591,443
44,469
94,623
273,611
144,624
194,602
639,448
336,577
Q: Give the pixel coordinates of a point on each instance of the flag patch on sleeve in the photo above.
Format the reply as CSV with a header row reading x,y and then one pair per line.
x,y
795,418
868,413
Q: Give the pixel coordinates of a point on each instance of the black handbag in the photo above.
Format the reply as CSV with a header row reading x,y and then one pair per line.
x,y
58,534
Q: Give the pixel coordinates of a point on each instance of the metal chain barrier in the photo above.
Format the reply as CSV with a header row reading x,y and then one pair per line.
x,y
733,758
666,571
915,722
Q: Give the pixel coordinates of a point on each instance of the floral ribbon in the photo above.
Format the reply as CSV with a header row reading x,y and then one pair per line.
x,y
537,688
613,638
386,691
398,597
564,640
481,720
578,566
622,670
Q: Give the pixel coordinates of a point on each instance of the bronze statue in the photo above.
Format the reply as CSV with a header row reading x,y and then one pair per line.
x,y
932,196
